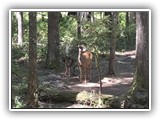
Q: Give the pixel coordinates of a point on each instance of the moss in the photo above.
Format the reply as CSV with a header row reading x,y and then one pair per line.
x,y
137,97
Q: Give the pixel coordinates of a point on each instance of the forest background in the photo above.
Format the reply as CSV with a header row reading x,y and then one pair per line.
x,y
4,63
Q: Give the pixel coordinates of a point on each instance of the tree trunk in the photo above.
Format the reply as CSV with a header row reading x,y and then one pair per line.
x,y
142,49
51,94
20,32
127,28
113,38
32,77
22,26
92,16
52,60
79,25
138,95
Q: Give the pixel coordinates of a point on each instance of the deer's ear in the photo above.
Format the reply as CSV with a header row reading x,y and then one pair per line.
x,y
79,46
84,48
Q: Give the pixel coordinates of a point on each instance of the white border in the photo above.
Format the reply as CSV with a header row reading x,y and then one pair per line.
x,y
66,10
10,42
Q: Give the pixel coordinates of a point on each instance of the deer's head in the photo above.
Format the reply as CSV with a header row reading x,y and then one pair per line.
x,y
81,48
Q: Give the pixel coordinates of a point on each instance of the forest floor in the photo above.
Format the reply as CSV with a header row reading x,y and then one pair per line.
x,y
113,85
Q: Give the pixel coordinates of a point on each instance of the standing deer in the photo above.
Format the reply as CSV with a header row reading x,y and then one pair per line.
x,y
68,58
68,61
84,62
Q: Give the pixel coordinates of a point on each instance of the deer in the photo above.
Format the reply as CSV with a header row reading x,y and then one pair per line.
x,y
68,58
84,62
68,62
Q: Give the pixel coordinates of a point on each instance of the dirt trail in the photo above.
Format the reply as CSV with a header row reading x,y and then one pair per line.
x,y
117,85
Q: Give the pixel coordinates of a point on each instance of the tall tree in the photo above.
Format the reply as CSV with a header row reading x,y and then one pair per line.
x,y
79,20
19,16
32,76
92,16
127,26
52,60
138,95
113,37
142,50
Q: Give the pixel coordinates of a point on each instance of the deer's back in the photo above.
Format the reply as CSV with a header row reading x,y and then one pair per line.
x,y
86,58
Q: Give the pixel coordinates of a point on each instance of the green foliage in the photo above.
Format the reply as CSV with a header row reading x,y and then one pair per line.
x,y
18,72
95,34
124,41
42,27
19,51
68,27
94,100
19,93
68,36
18,103
41,52
122,20
19,61
25,26
14,28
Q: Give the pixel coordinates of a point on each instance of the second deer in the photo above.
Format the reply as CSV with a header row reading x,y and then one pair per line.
x,y
68,61
84,62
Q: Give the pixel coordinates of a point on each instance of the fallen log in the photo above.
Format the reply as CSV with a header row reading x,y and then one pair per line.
x,y
52,94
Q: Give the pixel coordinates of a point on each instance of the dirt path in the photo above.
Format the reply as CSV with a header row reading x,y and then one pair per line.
x,y
117,85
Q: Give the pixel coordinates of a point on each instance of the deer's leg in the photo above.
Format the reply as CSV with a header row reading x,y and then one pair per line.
x,y
85,75
90,71
80,76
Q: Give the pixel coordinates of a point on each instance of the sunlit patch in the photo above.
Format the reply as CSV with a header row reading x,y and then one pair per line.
x,y
109,80
132,56
121,62
87,85
127,80
45,83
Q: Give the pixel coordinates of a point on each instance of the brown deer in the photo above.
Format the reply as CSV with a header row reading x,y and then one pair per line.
x,y
84,62
68,62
